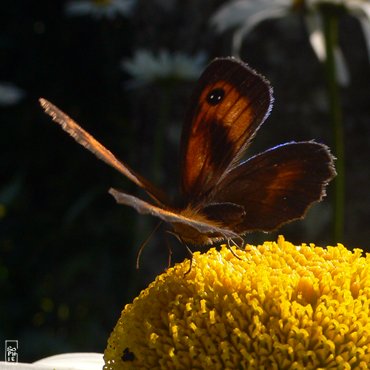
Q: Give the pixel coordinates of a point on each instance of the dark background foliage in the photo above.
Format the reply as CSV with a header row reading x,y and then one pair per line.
x,y
67,251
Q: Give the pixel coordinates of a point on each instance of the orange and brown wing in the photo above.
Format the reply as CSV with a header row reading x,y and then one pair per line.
x,y
274,187
229,104
90,143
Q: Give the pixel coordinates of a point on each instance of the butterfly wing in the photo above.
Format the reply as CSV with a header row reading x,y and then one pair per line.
x,y
90,143
202,225
274,187
229,104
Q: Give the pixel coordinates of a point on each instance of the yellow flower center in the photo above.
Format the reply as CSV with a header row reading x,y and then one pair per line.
x,y
277,307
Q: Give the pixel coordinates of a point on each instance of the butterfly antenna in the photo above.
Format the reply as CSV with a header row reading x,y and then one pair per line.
x,y
143,245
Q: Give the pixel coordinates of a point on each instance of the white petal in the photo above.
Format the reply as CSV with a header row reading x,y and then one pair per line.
x,y
80,361
109,10
239,12
365,23
316,34
252,22
145,67
123,7
361,10
78,7
65,361
317,40
10,94
342,72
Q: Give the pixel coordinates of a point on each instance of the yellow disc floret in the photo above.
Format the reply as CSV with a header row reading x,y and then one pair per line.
x,y
277,307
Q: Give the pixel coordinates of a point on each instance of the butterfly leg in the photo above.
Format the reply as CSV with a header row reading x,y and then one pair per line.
x,y
191,258
178,237
169,248
229,245
242,243
146,241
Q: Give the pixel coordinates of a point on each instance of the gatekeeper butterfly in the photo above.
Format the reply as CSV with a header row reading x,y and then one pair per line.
x,y
221,196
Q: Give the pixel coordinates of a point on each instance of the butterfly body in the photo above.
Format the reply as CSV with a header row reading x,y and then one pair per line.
x,y
190,235
221,197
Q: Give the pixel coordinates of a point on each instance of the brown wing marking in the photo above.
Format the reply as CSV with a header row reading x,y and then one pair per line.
x,y
90,143
277,186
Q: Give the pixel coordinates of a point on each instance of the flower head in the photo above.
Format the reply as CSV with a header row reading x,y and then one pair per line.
x,y
278,306
245,15
10,94
146,67
100,8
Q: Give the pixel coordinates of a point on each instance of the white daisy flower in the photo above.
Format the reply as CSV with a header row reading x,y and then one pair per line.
x,y
100,8
244,15
145,67
359,9
10,94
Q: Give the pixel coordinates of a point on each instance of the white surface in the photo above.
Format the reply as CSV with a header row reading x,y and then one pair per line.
x,y
65,361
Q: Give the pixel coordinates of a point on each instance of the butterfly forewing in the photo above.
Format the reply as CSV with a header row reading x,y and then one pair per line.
x,y
94,146
229,104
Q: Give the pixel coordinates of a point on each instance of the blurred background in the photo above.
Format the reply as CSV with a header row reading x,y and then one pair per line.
x,y
125,70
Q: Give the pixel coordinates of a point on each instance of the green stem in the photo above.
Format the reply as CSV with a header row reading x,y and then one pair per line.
x,y
331,19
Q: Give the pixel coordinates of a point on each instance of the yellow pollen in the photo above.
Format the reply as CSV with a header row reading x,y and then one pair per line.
x,y
279,306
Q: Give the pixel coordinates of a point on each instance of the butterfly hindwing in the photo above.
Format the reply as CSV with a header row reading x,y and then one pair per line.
x,y
276,186
196,222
